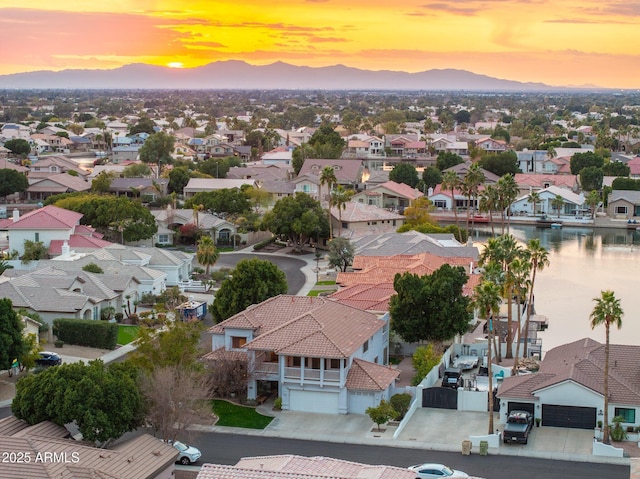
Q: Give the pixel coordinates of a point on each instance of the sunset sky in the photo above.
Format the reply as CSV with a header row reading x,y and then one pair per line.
x,y
557,42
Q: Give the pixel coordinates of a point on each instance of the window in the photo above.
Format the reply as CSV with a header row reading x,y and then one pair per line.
x,y
296,361
332,364
621,210
628,414
37,237
440,203
365,346
238,342
314,363
636,210
345,225
163,239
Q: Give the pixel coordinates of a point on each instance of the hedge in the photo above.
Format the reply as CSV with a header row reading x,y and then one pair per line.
x,y
86,332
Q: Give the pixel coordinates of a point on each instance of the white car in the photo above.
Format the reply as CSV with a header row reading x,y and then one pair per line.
x,y
435,471
188,454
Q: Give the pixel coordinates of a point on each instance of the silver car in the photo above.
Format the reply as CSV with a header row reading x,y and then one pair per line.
x,y
435,471
188,454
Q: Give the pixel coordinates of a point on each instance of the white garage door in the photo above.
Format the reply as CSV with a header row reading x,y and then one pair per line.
x,y
313,401
360,401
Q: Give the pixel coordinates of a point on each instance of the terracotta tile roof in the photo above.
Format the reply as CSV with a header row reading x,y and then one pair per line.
x,y
583,362
364,375
290,466
369,297
346,171
401,189
78,242
539,180
305,326
228,355
49,217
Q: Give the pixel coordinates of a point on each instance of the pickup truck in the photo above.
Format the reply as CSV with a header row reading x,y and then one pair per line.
x,y
518,426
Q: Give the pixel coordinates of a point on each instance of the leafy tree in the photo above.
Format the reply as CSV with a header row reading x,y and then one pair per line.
x,y
401,403
446,160
341,253
500,133
301,153
251,282
18,146
431,176
430,307
144,125
207,254
626,184
119,217
615,168
404,173
591,178
93,268
218,167
424,360
418,211
224,202
102,182
136,170
382,413
12,344
607,312
12,181
104,401
463,116
500,164
157,149
327,143
299,218
583,160
33,251
178,179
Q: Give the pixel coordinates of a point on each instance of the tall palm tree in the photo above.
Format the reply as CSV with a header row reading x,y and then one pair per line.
x,y
521,268
488,203
607,311
328,177
557,203
534,199
507,192
451,182
593,200
207,253
538,258
472,181
486,299
339,198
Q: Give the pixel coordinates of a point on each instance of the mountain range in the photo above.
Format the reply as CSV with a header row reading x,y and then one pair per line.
x,y
238,75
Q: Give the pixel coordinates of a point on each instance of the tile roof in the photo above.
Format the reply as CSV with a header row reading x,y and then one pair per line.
x,y
369,297
78,242
582,362
208,184
539,180
401,189
290,466
48,217
304,326
364,375
345,170
412,242
355,212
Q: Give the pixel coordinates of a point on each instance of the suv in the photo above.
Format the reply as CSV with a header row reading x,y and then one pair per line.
x,y
452,378
48,358
518,426
188,454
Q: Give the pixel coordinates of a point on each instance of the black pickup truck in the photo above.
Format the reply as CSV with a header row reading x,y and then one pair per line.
x,y
518,426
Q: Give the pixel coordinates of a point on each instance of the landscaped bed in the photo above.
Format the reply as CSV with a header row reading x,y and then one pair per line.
x,y
127,333
234,415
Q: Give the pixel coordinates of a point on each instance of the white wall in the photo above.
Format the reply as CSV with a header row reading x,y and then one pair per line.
x,y
17,238
473,400
570,394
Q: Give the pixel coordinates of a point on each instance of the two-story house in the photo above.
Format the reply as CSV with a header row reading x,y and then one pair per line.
x,y
320,356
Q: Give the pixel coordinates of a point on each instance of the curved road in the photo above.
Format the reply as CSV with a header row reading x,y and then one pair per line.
x,y
289,265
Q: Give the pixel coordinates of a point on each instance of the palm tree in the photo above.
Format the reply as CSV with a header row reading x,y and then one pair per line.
x,y
328,177
450,181
488,203
507,192
472,181
207,253
534,199
607,311
557,203
593,199
339,198
521,268
486,299
538,259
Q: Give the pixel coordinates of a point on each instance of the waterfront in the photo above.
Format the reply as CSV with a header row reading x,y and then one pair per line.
x,y
584,261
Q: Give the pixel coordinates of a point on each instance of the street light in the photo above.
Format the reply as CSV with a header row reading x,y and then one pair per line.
x,y
318,254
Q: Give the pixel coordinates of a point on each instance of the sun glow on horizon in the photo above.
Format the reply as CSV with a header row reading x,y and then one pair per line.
x,y
175,65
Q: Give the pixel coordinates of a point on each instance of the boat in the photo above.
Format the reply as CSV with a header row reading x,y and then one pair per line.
x,y
544,222
556,225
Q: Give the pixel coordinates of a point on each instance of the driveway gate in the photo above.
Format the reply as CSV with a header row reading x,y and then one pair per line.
x,y
439,397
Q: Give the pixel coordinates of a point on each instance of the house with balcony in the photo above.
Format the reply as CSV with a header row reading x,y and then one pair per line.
x,y
317,355
491,145
390,195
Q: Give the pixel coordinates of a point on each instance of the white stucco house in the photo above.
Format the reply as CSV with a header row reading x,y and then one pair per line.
x,y
572,203
320,356
568,390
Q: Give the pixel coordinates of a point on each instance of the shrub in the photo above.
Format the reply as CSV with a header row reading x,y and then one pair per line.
x,y
59,343
277,404
617,432
263,243
92,268
382,413
119,317
424,360
86,332
401,403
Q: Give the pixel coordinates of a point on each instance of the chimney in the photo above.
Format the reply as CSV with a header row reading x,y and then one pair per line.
x,y
65,248
16,215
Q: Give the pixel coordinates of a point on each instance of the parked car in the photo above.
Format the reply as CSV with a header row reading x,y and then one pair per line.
x,y
433,471
48,358
518,426
452,378
188,454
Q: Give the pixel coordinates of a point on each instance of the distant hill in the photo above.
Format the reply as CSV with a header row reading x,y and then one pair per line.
x,y
238,75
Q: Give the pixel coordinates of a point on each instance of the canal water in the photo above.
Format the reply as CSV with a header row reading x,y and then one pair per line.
x,y
583,262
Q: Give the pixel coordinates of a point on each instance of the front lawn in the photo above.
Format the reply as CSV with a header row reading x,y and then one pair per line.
x,y
233,415
127,333
325,283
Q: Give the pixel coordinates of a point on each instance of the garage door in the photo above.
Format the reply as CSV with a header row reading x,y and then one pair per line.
x,y
359,401
568,416
520,406
313,401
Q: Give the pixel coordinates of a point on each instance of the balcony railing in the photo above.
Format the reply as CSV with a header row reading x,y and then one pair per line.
x,y
312,375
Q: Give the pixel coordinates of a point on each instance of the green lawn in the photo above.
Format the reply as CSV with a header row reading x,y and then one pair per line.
x,y
232,415
127,333
325,283
314,293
